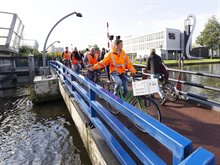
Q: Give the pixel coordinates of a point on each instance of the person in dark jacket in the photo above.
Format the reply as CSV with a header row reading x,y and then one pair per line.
x,y
154,65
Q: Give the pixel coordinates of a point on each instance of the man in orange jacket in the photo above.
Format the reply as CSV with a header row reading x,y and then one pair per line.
x,y
66,57
91,58
118,62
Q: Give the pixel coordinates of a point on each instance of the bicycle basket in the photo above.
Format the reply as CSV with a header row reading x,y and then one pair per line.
x,y
145,87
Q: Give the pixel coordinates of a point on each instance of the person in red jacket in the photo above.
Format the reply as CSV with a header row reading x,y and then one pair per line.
x,y
76,60
118,62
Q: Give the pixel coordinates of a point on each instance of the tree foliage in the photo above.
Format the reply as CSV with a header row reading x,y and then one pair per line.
x,y
210,36
95,46
25,51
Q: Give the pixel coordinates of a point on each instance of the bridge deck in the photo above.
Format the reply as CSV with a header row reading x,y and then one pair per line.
x,y
195,122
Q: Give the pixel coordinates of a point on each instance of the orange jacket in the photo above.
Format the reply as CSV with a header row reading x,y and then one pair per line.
x,y
66,55
117,63
75,61
91,60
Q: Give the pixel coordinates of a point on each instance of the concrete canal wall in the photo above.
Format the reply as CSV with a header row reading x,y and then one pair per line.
x,y
97,149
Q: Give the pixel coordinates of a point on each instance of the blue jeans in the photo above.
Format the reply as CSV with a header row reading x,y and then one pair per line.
x,y
120,81
160,92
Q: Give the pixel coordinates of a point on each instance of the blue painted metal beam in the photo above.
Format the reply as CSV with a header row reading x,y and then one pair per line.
x,y
201,156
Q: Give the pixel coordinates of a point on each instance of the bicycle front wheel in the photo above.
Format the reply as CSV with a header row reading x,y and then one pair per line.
x,y
110,107
148,106
169,91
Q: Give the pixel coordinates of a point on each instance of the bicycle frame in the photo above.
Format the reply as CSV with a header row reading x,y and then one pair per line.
x,y
130,98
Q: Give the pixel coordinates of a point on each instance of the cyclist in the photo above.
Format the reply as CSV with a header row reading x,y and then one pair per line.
x,y
154,63
66,57
76,60
118,62
91,58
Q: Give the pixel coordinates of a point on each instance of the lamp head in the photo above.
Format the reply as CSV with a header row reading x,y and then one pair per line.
x,y
78,14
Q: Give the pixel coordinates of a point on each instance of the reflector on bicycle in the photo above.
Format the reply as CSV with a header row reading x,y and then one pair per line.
x,y
145,87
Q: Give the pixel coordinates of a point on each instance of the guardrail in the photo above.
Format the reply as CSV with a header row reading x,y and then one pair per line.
x,y
85,92
178,79
196,84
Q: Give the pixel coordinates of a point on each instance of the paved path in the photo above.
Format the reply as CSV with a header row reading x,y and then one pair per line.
x,y
199,124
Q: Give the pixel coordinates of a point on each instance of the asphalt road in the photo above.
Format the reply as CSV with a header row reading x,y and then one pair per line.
x,y
199,124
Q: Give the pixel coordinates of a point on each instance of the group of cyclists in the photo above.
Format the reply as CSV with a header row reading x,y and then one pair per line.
x,y
116,61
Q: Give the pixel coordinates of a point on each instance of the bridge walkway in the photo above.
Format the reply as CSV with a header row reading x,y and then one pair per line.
x,y
192,120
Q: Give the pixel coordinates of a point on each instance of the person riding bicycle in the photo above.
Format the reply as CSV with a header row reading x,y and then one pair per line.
x,y
118,62
66,57
76,60
154,63
91,58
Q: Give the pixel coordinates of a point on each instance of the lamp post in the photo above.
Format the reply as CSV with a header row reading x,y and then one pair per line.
x,y
45,43
52,44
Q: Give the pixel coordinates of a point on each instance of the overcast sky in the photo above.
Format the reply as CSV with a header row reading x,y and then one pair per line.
x,y
125,17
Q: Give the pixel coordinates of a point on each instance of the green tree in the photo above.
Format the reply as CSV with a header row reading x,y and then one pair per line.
x,y
95,46
210,36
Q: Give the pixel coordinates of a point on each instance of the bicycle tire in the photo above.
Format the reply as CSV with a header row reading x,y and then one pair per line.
x,y
169,91
112,109
147,106
99,82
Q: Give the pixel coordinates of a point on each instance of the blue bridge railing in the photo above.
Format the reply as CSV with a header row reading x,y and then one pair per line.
x,y
180,147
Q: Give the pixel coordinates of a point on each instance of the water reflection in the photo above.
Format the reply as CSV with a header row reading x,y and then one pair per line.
x,y
38,134
203,80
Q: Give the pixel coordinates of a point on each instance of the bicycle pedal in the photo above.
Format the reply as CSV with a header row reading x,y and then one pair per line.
x,y
90,125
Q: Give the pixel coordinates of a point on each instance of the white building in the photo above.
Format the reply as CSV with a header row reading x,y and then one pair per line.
x,y
166,42
29,43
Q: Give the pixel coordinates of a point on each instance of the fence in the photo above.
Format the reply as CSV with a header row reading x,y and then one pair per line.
x,y
86,93
178,77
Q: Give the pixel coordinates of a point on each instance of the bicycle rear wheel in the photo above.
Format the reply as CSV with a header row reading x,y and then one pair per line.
x,y
148,106
169,91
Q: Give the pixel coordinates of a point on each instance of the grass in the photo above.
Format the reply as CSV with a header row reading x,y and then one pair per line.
x,y
175,62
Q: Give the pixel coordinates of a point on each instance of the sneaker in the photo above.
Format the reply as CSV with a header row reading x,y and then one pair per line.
x,y
163,101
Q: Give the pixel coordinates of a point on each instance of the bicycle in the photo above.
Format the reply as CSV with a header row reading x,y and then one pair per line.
x,y
67,63
97,78
168,88
143,103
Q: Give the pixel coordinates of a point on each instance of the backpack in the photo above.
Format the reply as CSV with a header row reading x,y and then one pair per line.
x,y
164,71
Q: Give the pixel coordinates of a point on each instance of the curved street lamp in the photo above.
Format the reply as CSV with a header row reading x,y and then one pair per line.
x,y
45,43
52,44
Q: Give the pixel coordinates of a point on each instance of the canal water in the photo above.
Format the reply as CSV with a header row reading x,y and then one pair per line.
x,y
42,134
203,80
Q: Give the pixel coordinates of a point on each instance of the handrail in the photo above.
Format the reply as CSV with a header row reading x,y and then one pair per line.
x,y
190,83
195,73
215,104
180,146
